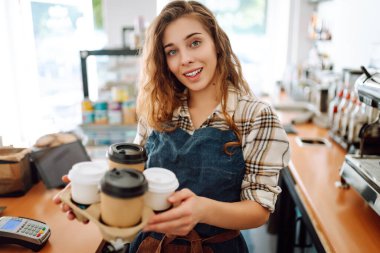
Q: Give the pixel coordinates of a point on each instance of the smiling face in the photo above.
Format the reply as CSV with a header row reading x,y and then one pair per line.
x,y
190,53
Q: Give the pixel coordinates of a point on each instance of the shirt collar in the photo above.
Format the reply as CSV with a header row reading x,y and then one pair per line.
x,y
183,109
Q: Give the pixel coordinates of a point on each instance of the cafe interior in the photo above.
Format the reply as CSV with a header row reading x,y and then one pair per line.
x,y
69,82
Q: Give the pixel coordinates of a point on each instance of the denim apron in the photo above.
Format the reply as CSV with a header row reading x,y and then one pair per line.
x,y
200,164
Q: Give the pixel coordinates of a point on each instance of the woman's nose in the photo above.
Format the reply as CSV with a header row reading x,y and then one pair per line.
x,y
186,57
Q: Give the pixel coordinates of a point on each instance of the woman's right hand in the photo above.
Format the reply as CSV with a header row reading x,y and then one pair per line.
x,y
65,208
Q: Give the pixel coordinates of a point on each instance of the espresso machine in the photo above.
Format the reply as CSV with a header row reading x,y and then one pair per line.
x,y
362,170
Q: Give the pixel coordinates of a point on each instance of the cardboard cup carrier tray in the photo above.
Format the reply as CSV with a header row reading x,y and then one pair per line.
x,y
92,213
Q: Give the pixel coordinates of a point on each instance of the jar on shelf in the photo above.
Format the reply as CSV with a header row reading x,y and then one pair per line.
x,y
115,116
129,112
87,112
100,111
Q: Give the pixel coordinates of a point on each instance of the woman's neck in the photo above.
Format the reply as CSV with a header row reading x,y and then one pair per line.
x,y
206,99
202,104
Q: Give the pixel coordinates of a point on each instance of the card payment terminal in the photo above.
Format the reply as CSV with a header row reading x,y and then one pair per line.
x,y
26,232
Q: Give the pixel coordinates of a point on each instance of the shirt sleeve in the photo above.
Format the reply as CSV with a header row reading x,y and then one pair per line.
x,y
141,134
266,152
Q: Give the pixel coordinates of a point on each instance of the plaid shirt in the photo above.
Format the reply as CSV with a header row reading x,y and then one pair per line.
x,y
264,143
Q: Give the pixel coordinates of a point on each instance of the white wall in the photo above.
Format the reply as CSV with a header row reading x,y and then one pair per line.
x,y
277,39
298,43
353,24
355,29
120,13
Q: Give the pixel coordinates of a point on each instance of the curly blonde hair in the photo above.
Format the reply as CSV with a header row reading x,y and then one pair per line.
x,y
159,90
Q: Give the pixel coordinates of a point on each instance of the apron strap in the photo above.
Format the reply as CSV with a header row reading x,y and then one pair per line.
x,y
196,241
222,237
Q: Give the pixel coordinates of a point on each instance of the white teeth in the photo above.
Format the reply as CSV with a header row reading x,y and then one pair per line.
x,y
191,74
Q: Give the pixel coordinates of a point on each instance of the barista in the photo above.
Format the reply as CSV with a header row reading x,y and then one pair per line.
x,y
198,118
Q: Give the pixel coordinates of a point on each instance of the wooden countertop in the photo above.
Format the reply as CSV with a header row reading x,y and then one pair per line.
x,y
344,221
66,236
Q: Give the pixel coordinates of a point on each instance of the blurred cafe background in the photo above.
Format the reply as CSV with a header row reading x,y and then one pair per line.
x,y
288,43
71,66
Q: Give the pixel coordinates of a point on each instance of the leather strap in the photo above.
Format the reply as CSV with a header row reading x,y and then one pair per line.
x,y
222,237
196,241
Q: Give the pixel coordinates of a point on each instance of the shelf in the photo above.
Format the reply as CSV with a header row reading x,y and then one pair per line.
x,y
99,135
84,54
106,134
95,127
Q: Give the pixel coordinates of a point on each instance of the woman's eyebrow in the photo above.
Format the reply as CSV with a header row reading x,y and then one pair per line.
x,y
188,36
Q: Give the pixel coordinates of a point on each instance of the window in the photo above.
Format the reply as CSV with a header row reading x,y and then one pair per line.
x,y
57,31
43,87
241,17
258,33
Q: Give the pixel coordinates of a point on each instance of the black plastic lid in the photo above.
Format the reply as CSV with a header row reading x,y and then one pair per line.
x,y
127,153
123,183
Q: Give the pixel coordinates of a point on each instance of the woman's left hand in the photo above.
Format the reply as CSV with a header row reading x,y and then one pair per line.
x,y
187,211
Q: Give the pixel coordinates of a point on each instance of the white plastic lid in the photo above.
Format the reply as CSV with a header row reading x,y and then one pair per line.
x,y
88,173
161,180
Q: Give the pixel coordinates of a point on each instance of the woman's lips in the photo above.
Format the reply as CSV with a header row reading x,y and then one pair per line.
x,y
193,73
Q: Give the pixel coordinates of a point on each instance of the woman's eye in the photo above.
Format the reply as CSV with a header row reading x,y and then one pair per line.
x,y
195,43
171,52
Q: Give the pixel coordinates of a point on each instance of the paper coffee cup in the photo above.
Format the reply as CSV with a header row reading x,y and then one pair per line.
x,y
122,197
126,155
161,184
85,178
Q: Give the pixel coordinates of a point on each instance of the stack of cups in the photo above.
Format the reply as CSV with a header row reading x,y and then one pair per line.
x,y
122,197
162,183
126,155
85,178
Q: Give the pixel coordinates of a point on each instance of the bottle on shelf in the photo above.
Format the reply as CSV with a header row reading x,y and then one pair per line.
x,y
357,120
333,107
337,124
87,111
346,114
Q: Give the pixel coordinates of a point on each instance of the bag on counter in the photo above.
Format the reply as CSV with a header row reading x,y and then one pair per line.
x,y
16,176
54,162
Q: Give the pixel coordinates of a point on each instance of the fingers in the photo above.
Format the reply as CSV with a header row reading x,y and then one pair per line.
x,y
172,214
70,215
65,179
65,208
178,220
57,200
180,226
179,196
177,212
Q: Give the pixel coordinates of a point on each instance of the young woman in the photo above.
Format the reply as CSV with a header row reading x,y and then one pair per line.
x,y
198,118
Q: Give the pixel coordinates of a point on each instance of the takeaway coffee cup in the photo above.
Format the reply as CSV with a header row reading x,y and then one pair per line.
x,y
161,184
85,178
122,197
126,155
